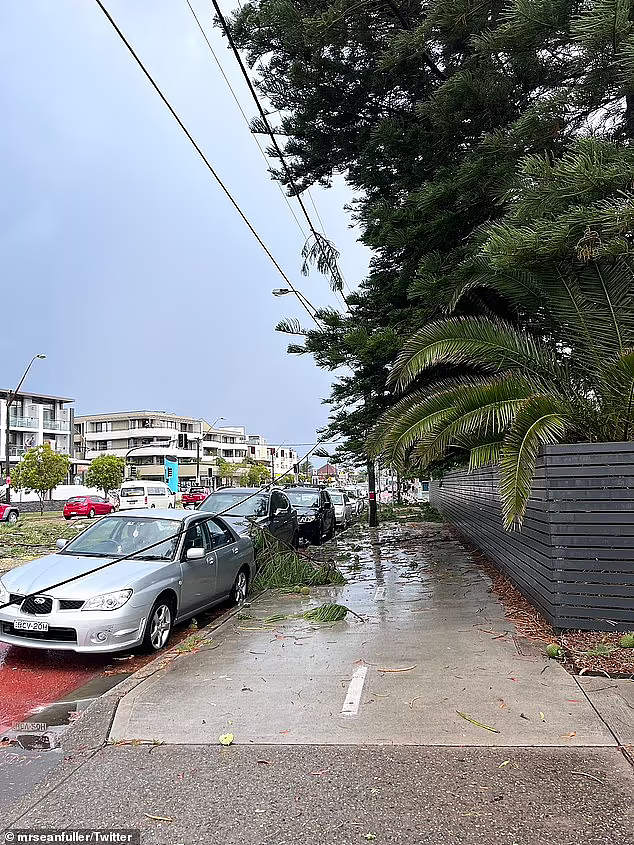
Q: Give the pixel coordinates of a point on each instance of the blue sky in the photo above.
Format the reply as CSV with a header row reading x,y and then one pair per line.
x,y
121,258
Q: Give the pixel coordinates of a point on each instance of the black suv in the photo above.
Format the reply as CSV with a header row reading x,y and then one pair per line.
x,y
315,511
243,506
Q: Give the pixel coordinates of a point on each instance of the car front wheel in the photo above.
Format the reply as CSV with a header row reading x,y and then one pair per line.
x,y
12,518
159,626
91,513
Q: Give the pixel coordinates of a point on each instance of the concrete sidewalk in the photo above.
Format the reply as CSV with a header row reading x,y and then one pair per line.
x,y
435,645
330,747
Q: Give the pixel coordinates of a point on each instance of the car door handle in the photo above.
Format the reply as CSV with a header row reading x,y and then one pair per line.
x,y
235,551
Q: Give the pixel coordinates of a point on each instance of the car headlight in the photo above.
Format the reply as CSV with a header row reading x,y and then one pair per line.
x,y
108,601
4,594
307,517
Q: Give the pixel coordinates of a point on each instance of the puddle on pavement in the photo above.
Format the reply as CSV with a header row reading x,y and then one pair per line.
x,y
43,728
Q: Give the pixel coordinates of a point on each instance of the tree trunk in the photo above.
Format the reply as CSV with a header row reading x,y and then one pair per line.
x,y
373,520
41,498
399,499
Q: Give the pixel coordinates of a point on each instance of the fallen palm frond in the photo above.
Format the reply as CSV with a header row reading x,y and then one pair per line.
x,y
326,613
281,566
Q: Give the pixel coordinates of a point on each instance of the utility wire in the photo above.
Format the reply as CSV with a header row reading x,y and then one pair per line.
x,y
246,119
207,162
335,272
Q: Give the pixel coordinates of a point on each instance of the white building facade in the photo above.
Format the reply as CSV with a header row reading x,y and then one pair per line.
x,y
145,438
35,419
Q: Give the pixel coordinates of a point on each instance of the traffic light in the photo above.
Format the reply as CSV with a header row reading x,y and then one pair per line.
x,y
296,469
182,441
133,472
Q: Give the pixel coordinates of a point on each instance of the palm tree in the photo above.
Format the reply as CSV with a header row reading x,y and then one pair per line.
x,y
567,375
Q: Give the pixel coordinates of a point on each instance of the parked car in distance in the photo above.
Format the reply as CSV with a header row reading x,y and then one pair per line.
x,y
9,513
355,501
315,513
89,506
145,494
268,509
195,562
343,508
194,495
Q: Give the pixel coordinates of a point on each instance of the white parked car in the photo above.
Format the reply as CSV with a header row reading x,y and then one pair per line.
x,y
344,511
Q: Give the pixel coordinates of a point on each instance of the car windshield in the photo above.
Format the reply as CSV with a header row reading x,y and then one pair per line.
x,y
257,505
196,490
336,498
118,536
132,491
303,499
76,499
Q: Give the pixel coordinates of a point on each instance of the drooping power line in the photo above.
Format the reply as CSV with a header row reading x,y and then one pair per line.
x,y
208,164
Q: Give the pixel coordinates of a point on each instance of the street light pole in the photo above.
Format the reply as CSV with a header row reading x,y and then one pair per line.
x,y
9,401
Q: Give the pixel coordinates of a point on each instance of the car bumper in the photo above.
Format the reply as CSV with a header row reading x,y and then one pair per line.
x,y
86,631
308,529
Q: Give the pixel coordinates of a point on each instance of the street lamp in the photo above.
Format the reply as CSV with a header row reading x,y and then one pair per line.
x,y
307,305
147,446
215,421
9,401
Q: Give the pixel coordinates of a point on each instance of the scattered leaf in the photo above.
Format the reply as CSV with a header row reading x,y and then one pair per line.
x,y
505,763
159,818
570,735
541,716
320,772
225,739
370,837
586,775
477,724
404,669
263,762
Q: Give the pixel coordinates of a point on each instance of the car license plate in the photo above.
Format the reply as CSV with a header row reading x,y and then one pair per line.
x,y
24,625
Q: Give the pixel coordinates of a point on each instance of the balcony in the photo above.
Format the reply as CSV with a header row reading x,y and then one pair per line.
x,y
56,425
23,422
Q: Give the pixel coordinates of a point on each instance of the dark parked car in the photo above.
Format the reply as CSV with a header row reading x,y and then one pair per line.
x,y
268,509
315,513
9,513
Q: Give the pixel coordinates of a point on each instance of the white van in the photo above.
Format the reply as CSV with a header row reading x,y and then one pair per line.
x,y
145,494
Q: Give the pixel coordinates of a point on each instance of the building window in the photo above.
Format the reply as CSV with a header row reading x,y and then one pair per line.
x,y
252,450
102,445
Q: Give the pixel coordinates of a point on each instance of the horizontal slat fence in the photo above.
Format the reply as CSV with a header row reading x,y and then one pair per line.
x,y
574,556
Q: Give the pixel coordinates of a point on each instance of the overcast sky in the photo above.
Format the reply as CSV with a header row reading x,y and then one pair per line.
x,y
122,261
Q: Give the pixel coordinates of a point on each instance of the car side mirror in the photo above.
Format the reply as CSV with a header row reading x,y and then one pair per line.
x,y
195,553
61,543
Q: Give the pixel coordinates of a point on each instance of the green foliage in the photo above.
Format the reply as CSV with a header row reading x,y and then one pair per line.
x,y
256,476
105,473
489,150
279,566
41,469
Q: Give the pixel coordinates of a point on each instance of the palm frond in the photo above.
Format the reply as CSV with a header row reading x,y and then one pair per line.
x,y
485,454
490,344
540,420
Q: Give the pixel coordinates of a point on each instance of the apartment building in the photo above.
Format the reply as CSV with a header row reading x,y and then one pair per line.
x,y
35,419
281,459
144,438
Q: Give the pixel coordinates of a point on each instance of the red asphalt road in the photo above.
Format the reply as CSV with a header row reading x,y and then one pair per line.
x,y
32,678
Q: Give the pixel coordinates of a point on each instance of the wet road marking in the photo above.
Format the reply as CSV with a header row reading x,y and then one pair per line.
x,y
380,594
353,696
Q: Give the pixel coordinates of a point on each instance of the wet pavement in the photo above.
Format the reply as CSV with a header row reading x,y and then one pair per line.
x,y
426,657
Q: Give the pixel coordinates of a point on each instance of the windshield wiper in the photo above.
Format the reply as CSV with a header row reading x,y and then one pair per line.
x,y
151,557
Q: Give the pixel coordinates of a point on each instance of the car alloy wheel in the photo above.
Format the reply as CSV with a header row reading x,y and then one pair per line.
x,y
240,588
91,513
12,518
160,626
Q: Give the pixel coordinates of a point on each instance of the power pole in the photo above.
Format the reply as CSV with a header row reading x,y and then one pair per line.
x,y
373,520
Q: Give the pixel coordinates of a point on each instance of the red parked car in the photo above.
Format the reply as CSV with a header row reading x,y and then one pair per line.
x,y
194,495
89,506
9,513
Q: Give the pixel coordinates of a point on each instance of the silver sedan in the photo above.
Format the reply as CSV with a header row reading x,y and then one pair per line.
x,y
84,599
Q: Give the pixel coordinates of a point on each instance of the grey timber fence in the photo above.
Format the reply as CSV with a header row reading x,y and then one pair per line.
x,y
574,555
